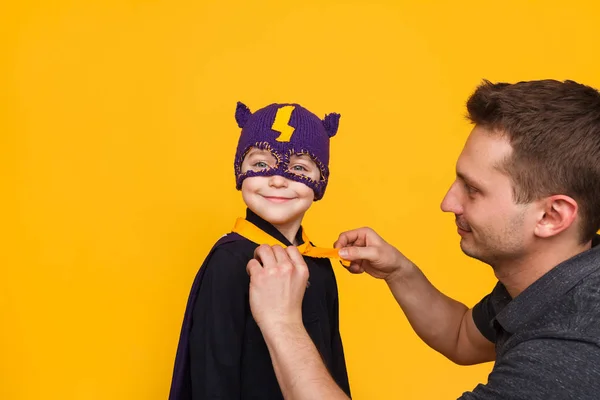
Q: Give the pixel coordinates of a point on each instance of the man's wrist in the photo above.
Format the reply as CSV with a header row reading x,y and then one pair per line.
x,y
404,270
272,330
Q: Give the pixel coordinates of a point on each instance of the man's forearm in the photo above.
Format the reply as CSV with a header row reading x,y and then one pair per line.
x,y
435,317
300,371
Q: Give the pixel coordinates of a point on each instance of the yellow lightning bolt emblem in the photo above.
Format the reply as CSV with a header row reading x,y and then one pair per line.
x,y
281,124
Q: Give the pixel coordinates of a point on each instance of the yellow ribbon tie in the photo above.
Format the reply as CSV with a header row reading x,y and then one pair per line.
x,y
255,234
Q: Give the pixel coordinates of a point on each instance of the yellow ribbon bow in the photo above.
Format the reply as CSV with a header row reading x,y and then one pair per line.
x,y
255,234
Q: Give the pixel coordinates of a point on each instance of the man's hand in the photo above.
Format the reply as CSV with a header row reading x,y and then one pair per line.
x,y
369,253
278,279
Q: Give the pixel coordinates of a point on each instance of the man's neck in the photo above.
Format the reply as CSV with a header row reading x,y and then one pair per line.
x,y
518,275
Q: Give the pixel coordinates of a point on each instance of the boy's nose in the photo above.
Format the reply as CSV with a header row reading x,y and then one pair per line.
x,y
277,181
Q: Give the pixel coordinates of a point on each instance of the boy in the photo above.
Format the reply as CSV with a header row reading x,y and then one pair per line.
x,y
281,167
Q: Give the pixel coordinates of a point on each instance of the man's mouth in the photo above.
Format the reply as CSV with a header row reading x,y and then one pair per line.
x,y
462,226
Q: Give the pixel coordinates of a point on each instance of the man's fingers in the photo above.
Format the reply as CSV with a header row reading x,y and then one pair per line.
x,y
297,259
357,237
356,268
369,253
347,238
264,253
253,267
281,256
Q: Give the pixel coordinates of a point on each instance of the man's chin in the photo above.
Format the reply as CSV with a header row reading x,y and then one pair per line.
x,y
467,248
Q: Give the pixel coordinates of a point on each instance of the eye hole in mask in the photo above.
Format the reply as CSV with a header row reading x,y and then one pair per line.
x,y
303,164
298,164
259,160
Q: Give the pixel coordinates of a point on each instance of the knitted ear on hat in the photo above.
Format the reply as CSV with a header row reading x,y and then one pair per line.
x,y
331,123
242,114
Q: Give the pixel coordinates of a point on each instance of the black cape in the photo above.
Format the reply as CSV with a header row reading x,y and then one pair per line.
x,y
181,385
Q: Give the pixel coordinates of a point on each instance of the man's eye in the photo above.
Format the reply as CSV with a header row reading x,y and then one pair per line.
x,y
470,189
261,164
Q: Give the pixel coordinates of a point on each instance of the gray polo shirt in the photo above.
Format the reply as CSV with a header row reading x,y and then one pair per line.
x,y
548,337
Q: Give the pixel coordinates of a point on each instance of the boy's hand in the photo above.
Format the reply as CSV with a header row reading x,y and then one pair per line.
x,y
278,280
369,253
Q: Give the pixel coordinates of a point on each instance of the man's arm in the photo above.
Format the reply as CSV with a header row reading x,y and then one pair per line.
x,y
278,281
446,325
298,365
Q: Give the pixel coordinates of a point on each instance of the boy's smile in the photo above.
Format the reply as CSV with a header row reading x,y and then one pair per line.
x,y
280,201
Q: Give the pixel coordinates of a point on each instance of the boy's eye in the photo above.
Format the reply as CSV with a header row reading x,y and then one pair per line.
x,y
261,164
299,168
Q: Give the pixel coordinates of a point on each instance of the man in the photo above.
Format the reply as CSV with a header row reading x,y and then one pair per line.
x,y
527,202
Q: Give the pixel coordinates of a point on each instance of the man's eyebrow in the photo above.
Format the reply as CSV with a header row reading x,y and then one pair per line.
x,y
467,179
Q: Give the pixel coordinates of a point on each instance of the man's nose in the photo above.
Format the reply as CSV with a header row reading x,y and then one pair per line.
x,y
452,201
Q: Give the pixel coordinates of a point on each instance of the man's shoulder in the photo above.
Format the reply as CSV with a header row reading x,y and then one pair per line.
x,y
543,368
584,298
576,314
590,283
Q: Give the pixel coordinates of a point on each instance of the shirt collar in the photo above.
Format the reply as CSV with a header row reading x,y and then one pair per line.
x,y
270,229
532,302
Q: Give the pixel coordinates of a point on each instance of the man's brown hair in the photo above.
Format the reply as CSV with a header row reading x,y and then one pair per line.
x,y
554,130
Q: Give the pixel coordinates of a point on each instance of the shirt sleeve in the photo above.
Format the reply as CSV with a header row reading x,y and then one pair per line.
x,y
483,314
550,368
217,335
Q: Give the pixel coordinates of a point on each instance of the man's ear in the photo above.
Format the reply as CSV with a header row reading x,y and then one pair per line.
x,y
559,213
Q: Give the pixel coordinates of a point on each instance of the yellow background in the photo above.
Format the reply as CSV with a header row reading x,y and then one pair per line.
x,y
117,139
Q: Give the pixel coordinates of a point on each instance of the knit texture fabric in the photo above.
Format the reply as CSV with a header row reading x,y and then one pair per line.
x,y
285,130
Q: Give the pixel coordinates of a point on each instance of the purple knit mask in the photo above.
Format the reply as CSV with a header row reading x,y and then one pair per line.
x,y
285,130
